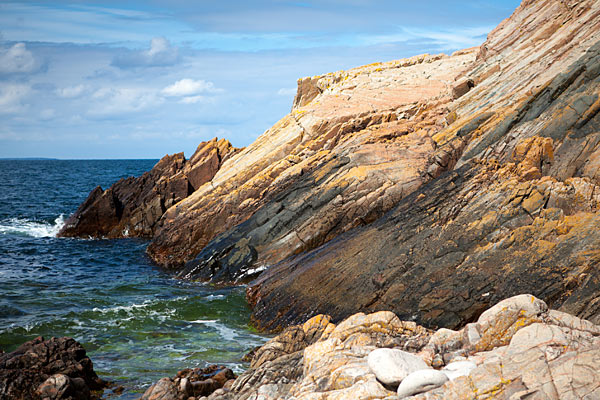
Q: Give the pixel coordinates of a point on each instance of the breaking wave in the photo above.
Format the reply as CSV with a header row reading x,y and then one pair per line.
x,y
26,227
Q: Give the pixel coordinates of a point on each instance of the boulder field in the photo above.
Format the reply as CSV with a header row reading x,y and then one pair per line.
x,y
516,350
432,187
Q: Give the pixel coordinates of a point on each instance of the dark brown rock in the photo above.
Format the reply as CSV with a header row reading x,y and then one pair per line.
x,y
133,206
462,87
196,382
57,368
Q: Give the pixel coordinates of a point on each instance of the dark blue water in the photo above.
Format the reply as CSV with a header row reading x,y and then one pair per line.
x,y
136,322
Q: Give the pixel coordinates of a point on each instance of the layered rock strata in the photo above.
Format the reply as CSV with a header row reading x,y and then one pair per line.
x,y
134,206
517,213
441,184
57,368
517,349
355,143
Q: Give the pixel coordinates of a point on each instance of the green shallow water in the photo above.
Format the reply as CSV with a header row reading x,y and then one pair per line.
x,y
137,323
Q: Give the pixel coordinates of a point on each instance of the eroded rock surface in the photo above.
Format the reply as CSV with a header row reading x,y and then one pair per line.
x,y
133,206
518,349
340,159
516,214
52,369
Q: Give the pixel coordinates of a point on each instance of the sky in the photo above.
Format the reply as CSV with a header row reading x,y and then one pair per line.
x,y
140,79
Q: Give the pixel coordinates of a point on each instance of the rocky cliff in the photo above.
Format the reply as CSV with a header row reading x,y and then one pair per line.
x,y
433,186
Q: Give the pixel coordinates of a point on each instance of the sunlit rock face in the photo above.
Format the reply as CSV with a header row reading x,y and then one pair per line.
x,y
355,143
517,213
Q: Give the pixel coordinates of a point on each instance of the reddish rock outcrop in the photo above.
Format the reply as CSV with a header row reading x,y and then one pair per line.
x,y
338,161
191,384
133,206
518,213
57,368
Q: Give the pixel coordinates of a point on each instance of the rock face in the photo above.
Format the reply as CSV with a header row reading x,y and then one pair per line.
x,y
133,206
355,143
518,349
52,369
517,213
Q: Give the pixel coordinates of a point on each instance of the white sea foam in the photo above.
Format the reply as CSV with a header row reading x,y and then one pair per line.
x,y
211,297
129,309
225,332
22,226
228,333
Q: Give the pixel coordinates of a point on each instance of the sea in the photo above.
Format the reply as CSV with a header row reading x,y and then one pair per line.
x,y
137,323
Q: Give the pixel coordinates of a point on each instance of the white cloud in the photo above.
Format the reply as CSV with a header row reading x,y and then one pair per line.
x,y
71,92
12,97
160,54
119,101
189,87
286,92
17,59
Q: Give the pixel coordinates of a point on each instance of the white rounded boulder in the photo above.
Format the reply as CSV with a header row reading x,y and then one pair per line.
x,y
421,381
391,366
458,368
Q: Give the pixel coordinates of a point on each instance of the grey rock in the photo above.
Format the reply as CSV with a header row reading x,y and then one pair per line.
x,y
421,381
391,366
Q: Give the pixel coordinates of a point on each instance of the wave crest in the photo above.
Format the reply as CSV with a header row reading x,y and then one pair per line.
x,y
26,227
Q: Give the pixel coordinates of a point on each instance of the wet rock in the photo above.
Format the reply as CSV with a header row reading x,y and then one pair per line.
x,y
391,366
421,381
164,389
58,386
57,368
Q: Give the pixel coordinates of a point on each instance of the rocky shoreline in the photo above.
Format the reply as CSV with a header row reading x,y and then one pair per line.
x,y
517,349
425,194
472,177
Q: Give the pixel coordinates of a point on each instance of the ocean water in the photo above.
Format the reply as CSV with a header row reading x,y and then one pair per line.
x,y
136,322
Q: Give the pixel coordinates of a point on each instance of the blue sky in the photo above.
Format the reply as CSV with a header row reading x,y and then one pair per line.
x,y
141,79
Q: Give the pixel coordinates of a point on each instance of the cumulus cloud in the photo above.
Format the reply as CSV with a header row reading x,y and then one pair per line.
x,y
17,59
160,54
12,98
71,92
189,87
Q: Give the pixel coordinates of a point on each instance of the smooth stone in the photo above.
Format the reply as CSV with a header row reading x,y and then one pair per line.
x,y
391,366
421,381
458,368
